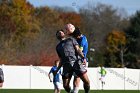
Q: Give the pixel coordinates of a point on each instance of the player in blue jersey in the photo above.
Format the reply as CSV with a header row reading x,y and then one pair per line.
x,y
83,44
56,78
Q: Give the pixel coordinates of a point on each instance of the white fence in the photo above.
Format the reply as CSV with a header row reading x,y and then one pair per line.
x,y
36,77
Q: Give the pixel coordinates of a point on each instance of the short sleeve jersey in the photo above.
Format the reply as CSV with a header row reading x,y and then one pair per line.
x,y
56,78
66,50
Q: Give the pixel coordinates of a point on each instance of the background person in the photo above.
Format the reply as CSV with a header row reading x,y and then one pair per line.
x,y
56,77
103,74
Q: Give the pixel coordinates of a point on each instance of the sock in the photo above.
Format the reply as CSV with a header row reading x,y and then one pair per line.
x,y
68,89
87,88
75,89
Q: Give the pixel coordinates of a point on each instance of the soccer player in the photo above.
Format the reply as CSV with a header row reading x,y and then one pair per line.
x,y
103,74
83,44
71,55
1,77
56,78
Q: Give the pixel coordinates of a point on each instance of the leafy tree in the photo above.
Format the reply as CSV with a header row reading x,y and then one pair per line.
x,y
133,34
71,17
133,37
46,43
97,22
18,27
116,42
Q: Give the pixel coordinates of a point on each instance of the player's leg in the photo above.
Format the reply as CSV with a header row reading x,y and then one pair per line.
x,y
66,84
55,87
86,82
103,81
58,90
66,77
58,87
1,80
76,84
1,84
55,90
82,73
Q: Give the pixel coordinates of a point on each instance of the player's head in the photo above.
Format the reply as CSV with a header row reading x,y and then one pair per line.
x,y
69,28
60,34
76,33
56,62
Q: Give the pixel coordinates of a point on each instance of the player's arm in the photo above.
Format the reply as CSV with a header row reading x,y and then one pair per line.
x,y
79,51
60,64
84,47
84,53
49,75
58,68
77,48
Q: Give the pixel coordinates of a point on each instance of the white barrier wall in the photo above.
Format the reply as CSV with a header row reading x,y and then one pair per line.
x,y
36,77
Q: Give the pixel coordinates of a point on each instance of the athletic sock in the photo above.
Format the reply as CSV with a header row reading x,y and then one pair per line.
x,y
75,89
87,88
68,89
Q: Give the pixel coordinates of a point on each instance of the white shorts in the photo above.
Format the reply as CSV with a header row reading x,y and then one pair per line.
x,y
102,78
56,85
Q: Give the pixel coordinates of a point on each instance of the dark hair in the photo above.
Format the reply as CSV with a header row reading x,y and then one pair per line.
x,y
56,61
76,32
58,34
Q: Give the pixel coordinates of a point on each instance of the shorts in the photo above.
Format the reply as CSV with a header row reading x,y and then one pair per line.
x,y
75,67
56,85
102,78
86,66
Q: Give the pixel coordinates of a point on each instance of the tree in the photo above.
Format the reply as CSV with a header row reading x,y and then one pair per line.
x,y
46,43
18,27
97,22
133,37
133,34
116,42
71,17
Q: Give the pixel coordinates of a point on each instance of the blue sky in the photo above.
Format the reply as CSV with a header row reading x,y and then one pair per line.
x,y
131,6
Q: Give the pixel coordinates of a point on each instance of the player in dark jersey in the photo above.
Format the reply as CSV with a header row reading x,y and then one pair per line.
x,y
1,77
56,78
71,59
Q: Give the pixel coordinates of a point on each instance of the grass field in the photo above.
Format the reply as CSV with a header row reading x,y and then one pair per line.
x,y
51,91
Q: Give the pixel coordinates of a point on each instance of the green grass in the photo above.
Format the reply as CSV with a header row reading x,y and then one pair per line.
x,y
51,91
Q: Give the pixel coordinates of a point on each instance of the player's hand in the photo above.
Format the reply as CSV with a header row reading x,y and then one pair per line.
x,y
84,62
